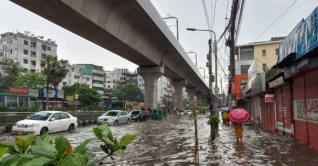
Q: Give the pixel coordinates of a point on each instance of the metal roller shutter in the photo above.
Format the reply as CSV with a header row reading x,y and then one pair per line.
x,y
311,86
279,110
300,117
272,116
288,125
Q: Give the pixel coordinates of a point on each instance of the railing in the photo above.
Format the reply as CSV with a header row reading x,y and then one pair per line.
x,y
10,118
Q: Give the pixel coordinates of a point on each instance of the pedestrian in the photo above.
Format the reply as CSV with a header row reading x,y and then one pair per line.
x,y
164,113
238,131
225,116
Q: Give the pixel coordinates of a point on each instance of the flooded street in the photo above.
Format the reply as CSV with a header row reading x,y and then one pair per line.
x,y
171,142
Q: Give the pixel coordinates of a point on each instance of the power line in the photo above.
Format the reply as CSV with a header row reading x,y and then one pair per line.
x,y
214,14
276,20
206,16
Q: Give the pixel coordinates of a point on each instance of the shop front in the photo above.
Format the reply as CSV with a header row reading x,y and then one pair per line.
x,y
257,97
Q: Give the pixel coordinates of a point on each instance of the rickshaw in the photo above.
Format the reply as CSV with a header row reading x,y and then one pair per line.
x,y
157,114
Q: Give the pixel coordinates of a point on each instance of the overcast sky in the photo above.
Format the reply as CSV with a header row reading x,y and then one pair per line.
x,y
258,16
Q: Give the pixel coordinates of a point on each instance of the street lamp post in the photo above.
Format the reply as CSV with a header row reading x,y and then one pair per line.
x,y
171,17
203,72
210,67
196,57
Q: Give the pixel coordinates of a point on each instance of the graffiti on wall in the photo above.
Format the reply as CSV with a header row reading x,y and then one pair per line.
x,y
312,110
299,110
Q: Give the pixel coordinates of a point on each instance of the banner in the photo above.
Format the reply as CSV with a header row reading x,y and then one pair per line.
x,y
53,93
17,90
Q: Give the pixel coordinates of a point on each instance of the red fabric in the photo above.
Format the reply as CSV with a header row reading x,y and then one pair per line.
x,y
239,116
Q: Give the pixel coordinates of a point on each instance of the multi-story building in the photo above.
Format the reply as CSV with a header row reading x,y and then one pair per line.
x,y
141,83
123,74
75,75
97,73
265,53
26,49
163,92
112,83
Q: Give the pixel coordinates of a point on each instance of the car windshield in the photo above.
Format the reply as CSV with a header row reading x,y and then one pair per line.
x,y
111,113
135,112
181,111
40,116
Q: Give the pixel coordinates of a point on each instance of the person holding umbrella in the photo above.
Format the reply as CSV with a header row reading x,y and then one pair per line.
x,y
239,116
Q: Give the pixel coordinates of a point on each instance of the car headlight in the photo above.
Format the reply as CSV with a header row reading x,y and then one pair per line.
x,y
33,125
111,119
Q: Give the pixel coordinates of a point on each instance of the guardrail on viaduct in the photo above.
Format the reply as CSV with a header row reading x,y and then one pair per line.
x,y
10,118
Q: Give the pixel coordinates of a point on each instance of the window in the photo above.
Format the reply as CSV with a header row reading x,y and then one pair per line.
x,y
1,100
108,81
43,56
264,52
32,70
43,47
25,61
64,83
108,86
64,116
33,63
243,81
25,70
25,101
87,79
33,44
277,51
244,69
12,101
56,116
11,51
264,66
80,70
73,69
33,54
25,52
26,42
49,48
247,54
76,77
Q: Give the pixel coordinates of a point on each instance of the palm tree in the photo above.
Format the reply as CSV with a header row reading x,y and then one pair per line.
x,y
55,70
12,68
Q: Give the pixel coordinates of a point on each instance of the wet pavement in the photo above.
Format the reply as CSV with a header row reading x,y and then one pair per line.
x,y
171,142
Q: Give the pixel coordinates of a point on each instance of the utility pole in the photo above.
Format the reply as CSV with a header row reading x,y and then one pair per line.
x,y
47,84
211,102
177,21
232,45
216,90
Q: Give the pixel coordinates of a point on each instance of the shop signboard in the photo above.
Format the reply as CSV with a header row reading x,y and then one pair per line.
x,y
53,93
308,34
277,82
18,90
69,98
289,71
34,92
288,46
269,98
258,84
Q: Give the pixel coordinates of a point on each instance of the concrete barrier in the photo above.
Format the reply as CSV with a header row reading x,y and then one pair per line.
x,y
86,122
80,123
2,129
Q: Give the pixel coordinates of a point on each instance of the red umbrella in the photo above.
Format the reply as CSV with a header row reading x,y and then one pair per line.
x,y
239,116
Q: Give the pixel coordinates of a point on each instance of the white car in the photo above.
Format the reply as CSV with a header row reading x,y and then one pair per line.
x,y
181,112
189,112
46,121
114,117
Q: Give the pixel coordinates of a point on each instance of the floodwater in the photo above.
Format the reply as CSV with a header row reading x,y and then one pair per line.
x,y
171,142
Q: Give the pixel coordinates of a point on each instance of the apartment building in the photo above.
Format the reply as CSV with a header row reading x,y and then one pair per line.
x,y
26,49
113,83
265,54
97,73
76,75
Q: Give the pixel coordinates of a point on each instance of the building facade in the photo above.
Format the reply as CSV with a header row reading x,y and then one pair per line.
x,y
26,49
75,75
265,53
112,83
97,73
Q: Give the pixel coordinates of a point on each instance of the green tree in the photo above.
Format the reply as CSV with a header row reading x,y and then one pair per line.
x,y
12,70
31,80
129,92
86,95
55,69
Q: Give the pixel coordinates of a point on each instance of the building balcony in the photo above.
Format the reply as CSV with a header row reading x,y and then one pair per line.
x,y
98,78
98,71
98,85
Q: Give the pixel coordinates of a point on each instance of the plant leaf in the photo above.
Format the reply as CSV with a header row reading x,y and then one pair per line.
x,y
75,159
61,144
104,128
13,148
40,161
121,151
90,155
104,148
127,139
69,148
45,145
40,151
9,160
100,134
46,137
3,151
82,147
24,141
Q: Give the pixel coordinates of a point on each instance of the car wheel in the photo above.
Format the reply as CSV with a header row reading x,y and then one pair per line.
x,y
116,123
137,119
71,127
128,121
43,130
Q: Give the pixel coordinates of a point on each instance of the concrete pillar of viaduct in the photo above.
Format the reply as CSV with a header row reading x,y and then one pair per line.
x,y
199,96
178,86
191,92
150,76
